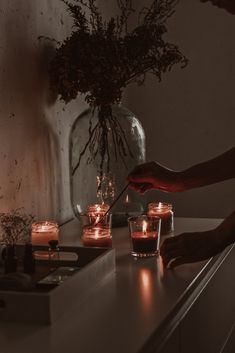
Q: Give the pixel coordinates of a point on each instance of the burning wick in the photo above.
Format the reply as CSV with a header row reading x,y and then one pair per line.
x,y
144,229
126,205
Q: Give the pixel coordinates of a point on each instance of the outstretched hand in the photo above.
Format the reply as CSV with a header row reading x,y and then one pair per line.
x,y
228,5
154,176
190,247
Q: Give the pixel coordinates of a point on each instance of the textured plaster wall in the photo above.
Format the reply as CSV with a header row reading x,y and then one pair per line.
x,y
190,116
34,128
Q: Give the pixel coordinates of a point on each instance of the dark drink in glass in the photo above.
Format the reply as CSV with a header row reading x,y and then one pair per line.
x,y
144,244
145,235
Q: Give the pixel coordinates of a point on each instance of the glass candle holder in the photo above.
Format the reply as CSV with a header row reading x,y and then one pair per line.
x,y
164,211
145,235
98,234
96,212
42,233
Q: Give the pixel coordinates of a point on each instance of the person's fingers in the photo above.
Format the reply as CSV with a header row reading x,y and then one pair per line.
x,y
187,248
177,262
166,261
177,247
165,248
175,253
144,187
170,240
143,172
171,255
182,260
182,240
133,186
170,243
139,178
140,187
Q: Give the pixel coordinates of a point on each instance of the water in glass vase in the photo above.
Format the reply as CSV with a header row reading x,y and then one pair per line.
x,y
102,153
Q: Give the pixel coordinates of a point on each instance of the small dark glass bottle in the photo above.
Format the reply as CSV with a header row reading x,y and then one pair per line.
x,y
10,262
29,260
54,250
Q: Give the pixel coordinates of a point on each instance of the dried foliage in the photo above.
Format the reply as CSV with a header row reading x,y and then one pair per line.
x,y
15,227
101,58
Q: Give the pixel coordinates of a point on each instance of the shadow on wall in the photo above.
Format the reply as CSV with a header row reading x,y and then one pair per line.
x,y
29,147
189,117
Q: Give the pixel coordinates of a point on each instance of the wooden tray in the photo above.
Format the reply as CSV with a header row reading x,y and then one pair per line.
x,y
48,305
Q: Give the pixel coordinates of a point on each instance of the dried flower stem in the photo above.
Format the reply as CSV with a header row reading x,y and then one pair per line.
x,y
15,226
101,58
108,127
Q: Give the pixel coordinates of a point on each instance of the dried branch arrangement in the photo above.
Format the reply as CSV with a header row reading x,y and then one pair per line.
x,y
15,227
101,58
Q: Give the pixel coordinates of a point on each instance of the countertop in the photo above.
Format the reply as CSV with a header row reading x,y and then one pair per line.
x,y
138,304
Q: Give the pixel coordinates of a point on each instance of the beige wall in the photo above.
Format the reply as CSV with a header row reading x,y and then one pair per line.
x,y
188,117
33,130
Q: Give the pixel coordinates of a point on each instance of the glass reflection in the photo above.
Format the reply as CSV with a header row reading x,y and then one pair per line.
x,y
146,281
150,280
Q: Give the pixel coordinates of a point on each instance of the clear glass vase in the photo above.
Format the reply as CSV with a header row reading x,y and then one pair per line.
x,y
105,145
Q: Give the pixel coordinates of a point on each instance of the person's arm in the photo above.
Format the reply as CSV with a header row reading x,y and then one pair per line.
x,y
228,5
213,171
192,247
155,176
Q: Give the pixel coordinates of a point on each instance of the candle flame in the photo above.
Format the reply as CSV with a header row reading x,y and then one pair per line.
x,y
98,209
145,225
127,198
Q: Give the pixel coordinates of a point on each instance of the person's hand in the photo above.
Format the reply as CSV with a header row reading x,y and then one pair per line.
x,y
228,5
154,176
190,247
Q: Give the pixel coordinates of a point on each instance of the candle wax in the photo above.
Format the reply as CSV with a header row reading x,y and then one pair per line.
x,y
42,233
42,238
166,220
144,242
96,212
96,236
105,242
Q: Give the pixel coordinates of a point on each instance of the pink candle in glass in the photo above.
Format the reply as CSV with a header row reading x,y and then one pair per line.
x,y
99,236
43,232
164,211
145,235
96,212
